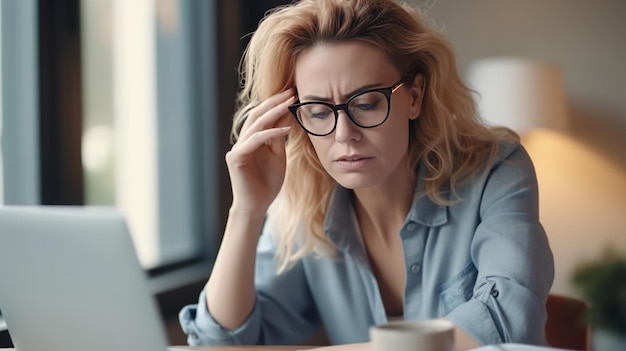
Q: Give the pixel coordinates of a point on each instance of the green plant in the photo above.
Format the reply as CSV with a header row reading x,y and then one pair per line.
x,y
602,283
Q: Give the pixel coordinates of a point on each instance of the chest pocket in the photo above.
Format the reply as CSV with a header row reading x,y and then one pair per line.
x,y
457,290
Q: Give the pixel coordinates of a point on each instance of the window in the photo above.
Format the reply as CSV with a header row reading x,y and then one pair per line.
x,y
148,122
137,141
115,103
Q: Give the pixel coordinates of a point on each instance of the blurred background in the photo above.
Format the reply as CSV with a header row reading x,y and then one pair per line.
x,y
129,103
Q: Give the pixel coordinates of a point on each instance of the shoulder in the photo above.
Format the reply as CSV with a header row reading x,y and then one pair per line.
x,y
509,150
509,168
509,183
511,161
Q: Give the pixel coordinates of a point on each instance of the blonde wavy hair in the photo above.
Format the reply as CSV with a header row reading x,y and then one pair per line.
x,y
452,142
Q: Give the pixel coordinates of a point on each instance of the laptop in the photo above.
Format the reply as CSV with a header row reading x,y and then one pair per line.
x,y
70,280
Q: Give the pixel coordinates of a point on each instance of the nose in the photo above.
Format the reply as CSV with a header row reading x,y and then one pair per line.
x,y
346,131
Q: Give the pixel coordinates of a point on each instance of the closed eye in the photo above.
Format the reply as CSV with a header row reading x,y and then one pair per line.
x,y
319,115
366,106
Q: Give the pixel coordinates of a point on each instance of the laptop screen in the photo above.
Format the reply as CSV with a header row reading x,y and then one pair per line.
x,y
71,281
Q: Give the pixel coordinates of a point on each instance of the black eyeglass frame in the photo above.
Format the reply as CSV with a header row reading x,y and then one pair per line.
x,y
387,91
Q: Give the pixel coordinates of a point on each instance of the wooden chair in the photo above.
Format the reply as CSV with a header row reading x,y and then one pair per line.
x,y
566,327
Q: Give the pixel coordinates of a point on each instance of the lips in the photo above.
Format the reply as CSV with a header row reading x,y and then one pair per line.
x,y
353,157
353,162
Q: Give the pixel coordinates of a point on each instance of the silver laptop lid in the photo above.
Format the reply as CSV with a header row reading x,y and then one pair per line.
x,y
70,280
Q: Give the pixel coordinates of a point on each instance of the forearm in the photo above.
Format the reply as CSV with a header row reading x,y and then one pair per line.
x,y
230,290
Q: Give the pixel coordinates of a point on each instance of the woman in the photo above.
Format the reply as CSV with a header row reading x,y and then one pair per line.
x,y
385,197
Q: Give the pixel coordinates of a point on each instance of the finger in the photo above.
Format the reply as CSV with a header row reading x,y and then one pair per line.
x,y
277,113
271,102
266,105
268,119
268,137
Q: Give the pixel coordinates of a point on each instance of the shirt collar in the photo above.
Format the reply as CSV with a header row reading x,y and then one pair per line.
x,y
424,211
340,222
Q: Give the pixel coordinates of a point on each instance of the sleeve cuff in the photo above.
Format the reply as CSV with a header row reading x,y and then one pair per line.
x,y
474,318
202,329
519,314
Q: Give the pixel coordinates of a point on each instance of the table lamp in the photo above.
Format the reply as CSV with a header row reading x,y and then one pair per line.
x,y
520,94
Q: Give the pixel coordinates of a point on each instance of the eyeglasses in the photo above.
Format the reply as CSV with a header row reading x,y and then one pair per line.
x,y
367,109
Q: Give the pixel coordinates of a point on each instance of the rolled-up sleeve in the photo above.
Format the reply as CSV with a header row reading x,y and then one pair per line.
x,y
284,312
202,329
512,255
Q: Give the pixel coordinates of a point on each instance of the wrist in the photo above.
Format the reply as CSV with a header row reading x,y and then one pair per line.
x,y
245,213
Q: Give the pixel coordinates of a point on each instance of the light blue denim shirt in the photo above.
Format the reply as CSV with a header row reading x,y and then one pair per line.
x,y
483,262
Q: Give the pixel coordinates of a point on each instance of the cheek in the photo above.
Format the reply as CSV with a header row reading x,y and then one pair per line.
x,y
397,144
396,138
320,146
397,127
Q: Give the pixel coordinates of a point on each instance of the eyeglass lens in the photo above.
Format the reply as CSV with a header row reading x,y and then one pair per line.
x,y
366,110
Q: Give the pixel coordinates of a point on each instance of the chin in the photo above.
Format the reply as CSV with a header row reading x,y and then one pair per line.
x,y
355,181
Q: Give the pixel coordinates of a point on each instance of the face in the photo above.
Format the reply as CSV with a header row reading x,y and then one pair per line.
x,y
359,157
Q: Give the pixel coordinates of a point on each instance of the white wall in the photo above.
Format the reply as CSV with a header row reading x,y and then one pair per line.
x,y
581,172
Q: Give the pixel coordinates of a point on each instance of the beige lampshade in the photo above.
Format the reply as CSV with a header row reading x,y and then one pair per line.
x,y
519,93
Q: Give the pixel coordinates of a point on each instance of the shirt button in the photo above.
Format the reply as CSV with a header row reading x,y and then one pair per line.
x,y
495,293
411,227
415,268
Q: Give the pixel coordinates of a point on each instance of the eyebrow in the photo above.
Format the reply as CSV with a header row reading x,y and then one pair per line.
x,y
344,97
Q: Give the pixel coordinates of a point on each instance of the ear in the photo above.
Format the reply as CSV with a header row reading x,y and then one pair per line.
x,y
416,91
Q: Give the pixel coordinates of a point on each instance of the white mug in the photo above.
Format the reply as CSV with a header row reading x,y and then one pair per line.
x,y
424,335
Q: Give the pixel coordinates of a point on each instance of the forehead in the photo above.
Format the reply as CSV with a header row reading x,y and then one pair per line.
x,y
342,66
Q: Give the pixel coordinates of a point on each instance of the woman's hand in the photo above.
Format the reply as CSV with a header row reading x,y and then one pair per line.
x,y
257,161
